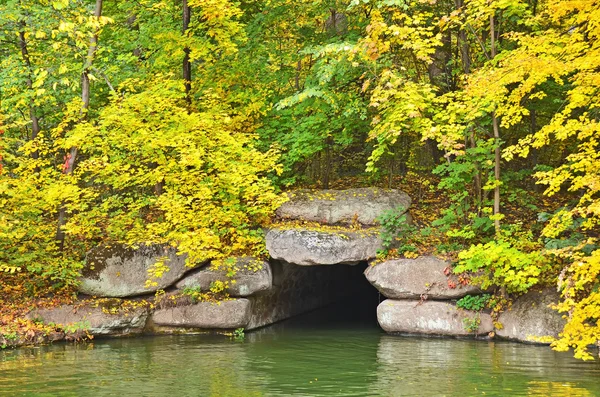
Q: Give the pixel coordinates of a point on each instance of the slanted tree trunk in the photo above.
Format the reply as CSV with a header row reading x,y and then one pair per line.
x,y
35,124
69,164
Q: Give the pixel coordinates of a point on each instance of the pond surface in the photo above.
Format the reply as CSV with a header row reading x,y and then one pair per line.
x,y
326,353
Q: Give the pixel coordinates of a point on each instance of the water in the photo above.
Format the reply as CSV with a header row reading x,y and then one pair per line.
x,y
320,354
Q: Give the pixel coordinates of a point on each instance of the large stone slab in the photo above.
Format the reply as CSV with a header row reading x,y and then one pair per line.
x,y
100,320
310,247
430,318
531,317
228,314
252,276
121,271
415,278
362,205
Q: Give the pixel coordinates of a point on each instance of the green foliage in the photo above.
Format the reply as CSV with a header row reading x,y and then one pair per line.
x,y
216,291
395,229
239,334
196,294
471,324
74,328
474,302
467,215
10,336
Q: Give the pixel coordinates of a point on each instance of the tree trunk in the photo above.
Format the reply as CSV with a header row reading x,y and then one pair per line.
x,y
534,151
187,65
477,179
496,129
297,78
465,54
391,173
35,124
69,164
327,168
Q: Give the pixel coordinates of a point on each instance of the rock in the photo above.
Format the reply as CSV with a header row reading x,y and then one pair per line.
x,y
55,336
430,318
531,317
310,247
228,314
252,276
120,271
94,320
413,278
294,290
363,205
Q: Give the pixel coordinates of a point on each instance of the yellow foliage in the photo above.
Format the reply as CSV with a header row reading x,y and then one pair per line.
x,y
214,187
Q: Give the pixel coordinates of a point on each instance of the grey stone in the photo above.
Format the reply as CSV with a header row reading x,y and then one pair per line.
x,y
430,318
416,278
121,271
98,320
252,276
362,205
310,247
531,317
227,314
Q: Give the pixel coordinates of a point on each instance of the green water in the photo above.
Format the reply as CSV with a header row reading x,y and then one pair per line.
x,y
314,355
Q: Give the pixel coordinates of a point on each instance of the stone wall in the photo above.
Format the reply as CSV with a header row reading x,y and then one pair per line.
x,y
295,290
292,290
422,295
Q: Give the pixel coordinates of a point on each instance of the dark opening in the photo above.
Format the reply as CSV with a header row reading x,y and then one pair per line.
x,y
330,296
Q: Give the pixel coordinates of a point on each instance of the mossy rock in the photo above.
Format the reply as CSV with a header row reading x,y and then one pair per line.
x,y
120,271
344,207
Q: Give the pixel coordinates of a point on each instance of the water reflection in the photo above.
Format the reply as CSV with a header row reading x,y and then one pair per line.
x,y
464,367
317,355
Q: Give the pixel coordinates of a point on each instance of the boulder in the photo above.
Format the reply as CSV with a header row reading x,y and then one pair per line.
x,y
531,317
121,271
362,205
252,276
431,318
100,320
311,247
415,278
228,314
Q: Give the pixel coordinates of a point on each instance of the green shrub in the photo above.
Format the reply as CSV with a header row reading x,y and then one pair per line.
x,y
474,302
395,229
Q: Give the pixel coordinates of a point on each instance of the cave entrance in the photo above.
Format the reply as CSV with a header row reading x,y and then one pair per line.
x,y
328,295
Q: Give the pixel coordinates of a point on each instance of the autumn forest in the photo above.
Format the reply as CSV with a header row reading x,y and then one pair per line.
x,y
183,122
